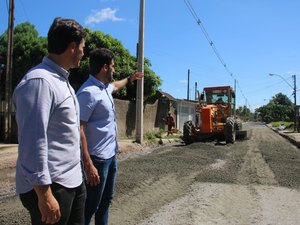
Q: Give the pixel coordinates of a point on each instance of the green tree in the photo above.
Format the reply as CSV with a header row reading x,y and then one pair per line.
x,y
244,113
29,49
279,108
263,113
125,63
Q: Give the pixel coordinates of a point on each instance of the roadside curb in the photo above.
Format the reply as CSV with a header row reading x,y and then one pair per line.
x,y
286,136
125,146
291,139
129,147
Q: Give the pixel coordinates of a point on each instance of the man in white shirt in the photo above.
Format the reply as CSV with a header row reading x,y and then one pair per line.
x,y
49,176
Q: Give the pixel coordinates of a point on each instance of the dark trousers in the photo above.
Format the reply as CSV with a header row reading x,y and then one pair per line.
x,y
70,200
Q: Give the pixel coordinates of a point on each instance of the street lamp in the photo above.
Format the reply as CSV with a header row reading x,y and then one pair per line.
x,y
294,93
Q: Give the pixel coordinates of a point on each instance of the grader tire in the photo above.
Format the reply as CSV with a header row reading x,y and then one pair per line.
x,y
188,132
239,126
230,131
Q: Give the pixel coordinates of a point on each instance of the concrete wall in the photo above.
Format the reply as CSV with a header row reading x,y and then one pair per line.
x,y
126,116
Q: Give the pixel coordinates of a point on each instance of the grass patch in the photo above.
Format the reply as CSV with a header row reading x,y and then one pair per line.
x,y
122,138
153,135
282,123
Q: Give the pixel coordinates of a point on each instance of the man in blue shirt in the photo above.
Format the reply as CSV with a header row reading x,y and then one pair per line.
x,y
49,176
98,131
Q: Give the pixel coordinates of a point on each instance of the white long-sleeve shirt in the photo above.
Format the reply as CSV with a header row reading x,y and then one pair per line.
x,y
47,114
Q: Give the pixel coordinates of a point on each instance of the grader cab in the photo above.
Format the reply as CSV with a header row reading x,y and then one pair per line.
x,y
215,117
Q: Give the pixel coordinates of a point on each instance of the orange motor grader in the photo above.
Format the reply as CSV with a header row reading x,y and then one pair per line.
x,y
214,117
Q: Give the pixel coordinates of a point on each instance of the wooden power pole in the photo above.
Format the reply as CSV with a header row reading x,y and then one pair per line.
x,y
188,86
8,78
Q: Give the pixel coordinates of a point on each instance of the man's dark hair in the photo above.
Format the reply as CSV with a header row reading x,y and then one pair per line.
x,y
98,58
62,32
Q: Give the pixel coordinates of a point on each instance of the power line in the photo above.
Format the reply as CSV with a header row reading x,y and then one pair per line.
x,y
25,12
211,43
7,6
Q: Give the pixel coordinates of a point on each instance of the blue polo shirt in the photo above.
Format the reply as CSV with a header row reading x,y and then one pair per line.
x,y
97,109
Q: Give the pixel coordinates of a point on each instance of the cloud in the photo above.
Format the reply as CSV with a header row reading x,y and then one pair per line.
x,y
103,15
183,81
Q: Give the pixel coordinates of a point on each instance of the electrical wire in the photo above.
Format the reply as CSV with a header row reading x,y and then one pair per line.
x,y
211,43
26,15
7,6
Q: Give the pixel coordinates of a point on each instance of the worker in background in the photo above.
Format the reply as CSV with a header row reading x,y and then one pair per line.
x,y
169,121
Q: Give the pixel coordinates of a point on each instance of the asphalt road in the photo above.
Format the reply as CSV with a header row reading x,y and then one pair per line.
x,y
254,181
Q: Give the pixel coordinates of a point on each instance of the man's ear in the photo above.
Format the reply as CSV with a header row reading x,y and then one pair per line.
x,y
72,46
105,67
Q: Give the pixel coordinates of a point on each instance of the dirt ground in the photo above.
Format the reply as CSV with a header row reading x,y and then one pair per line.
x,y
11,210
254,181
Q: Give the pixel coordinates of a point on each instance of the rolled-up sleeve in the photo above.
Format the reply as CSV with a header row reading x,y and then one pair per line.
x,y
33,101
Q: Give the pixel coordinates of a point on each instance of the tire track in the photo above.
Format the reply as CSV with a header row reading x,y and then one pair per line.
x,y
254,169
148,197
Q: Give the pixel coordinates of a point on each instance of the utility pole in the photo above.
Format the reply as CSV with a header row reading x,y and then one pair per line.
x,y
8,79
140,83
188,85
295,103
195,90
234,108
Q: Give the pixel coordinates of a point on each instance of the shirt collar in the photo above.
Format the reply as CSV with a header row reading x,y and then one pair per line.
x,y
97,82
61,71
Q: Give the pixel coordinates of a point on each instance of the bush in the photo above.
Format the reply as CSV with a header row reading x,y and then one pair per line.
x,y
152,135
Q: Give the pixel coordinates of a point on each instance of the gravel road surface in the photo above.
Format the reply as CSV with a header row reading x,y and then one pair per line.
x,y
254,181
